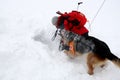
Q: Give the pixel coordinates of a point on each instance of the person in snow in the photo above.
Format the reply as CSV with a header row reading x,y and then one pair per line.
x,y
73,21
72,25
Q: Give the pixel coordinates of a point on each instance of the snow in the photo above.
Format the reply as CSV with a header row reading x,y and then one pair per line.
x,y
28,53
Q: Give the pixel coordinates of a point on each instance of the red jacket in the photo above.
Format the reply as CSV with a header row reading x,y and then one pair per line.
x,y
73,21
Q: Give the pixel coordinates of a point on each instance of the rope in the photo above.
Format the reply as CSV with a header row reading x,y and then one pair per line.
x,y
97,13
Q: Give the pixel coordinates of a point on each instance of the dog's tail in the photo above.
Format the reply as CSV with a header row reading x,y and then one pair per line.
x,y
117,62
114,59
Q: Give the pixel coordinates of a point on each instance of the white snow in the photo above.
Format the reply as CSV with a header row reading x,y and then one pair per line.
x,y
28,53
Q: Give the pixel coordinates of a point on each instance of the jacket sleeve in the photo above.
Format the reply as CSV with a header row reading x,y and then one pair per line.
x,y
67,25
82,30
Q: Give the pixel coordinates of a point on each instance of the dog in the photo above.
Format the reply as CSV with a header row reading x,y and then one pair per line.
x,y
98,55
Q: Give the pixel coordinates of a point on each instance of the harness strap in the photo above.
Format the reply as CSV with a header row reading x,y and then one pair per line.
x,y
53,38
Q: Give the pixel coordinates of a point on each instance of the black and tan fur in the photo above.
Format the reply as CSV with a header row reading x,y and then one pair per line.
x,y
98,56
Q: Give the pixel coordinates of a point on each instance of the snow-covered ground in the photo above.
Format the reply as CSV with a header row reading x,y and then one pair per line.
x,y
26,49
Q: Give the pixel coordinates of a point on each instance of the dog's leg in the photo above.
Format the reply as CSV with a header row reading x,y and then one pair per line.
x,y
90,63
94,60
102,65
90,71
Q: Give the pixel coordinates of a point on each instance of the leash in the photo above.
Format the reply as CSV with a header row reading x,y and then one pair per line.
x,y
97,13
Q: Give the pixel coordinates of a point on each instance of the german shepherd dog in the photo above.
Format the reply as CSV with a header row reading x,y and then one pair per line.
x,y
98,55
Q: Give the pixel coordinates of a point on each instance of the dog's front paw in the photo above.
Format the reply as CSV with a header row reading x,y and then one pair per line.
x,y
90,72
69,54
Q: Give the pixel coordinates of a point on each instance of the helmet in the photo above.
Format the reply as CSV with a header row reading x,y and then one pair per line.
x,y
54,20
